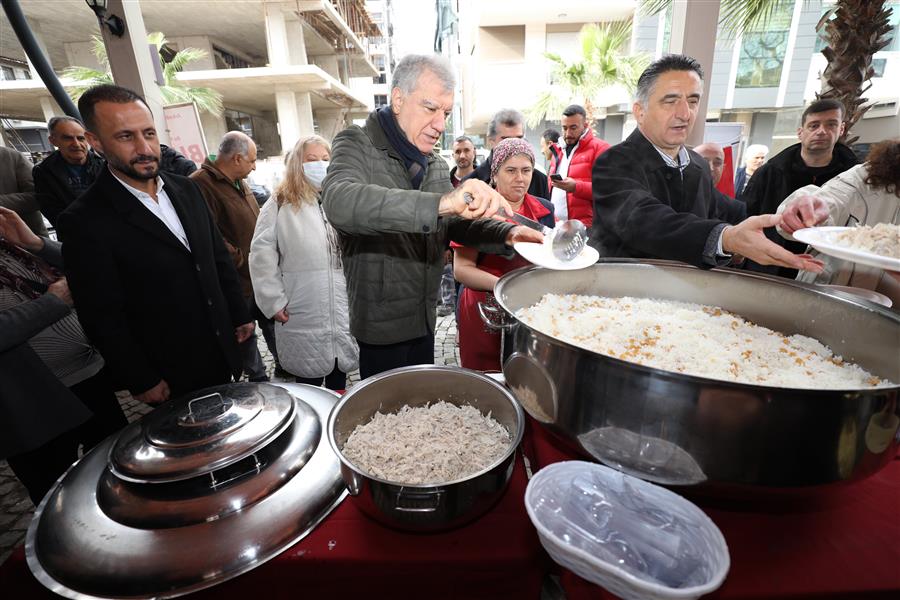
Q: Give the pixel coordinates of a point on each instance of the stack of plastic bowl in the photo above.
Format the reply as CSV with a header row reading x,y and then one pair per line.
x,y
633,538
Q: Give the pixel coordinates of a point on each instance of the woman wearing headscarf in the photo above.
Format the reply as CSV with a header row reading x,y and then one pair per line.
x,y
512,165
295,266
54,392
866,194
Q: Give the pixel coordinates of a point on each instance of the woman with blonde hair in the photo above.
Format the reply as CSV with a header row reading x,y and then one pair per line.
x,y
298,279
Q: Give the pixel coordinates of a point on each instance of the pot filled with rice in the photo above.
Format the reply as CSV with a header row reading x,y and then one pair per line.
x,y
426,448
720,378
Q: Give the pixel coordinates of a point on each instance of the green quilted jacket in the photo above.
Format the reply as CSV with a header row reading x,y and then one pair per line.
x,y
392,239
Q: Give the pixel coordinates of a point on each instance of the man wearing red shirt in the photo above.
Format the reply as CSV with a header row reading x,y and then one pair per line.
x,y
572,194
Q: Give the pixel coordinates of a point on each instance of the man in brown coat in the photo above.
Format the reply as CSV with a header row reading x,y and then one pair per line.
x,y
234,210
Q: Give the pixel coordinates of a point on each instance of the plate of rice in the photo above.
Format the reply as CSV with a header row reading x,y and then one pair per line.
x,y
875,246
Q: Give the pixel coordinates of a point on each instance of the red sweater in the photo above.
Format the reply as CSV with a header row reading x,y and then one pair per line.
x,y
581,202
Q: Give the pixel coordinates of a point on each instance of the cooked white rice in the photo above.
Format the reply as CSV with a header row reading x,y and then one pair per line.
x,y
428,444
694,339
882,239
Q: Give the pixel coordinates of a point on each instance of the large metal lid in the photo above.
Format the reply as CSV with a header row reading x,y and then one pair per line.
x,y
198,434
250,518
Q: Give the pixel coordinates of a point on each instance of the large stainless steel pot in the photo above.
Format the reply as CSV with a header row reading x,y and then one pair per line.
x,y
426,507
200,490
683,430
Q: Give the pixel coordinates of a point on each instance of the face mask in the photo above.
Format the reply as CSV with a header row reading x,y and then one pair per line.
x,y
315,172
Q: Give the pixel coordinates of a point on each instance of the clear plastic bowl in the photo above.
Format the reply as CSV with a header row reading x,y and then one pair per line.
x,y
633,538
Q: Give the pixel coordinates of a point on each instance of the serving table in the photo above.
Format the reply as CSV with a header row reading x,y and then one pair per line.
x,y
844,544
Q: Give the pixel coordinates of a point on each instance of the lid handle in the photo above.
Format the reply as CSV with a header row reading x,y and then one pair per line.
x,y
205,408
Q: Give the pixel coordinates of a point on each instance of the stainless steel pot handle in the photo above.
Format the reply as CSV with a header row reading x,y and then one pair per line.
x,y
206,411
255,467
489,316
418,502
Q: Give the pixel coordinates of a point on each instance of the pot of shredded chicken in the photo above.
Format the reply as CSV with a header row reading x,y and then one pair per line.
x,y
426,448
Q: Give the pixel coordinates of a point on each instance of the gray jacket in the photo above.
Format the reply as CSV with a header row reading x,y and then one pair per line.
x,y
17,189
392,239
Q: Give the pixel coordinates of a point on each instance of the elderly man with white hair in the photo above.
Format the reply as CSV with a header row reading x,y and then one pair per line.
x,y
754,157
389,194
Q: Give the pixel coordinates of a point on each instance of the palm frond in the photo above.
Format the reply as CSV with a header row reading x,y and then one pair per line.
x,y
602,64
648,8
739,16
551,102
183,57
98,49
173,91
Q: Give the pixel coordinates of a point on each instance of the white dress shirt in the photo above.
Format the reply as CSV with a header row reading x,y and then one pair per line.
x,y
161,208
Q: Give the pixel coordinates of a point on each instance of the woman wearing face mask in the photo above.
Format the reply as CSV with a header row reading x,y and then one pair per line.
x,y
512,164
295,265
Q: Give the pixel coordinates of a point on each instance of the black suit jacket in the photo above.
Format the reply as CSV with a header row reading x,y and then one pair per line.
x,y
153,308
646,209
51,182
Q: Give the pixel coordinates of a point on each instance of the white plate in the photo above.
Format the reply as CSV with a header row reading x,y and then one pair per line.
x,y
821,238
542,256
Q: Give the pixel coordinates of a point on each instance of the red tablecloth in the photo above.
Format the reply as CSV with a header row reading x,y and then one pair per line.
x,y
350,556
844,544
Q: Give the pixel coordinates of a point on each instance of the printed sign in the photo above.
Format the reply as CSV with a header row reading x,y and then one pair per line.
x,y
185,131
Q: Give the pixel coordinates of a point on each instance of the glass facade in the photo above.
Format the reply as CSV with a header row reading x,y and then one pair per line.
x,y
763,50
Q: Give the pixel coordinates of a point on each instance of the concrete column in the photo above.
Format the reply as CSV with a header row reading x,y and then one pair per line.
x,y
130,60
50,108
331,121
329,64
285,45
276,37
295,118
694,27
296,42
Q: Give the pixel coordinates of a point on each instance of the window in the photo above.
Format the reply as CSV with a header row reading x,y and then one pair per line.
x,y
380,100
878,66
226,60
379,62
7,73
763,51
238,121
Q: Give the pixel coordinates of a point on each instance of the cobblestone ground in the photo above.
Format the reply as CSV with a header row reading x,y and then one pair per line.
x,y
16,509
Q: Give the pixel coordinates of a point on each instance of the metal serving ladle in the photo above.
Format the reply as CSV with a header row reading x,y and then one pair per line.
x,y
567,238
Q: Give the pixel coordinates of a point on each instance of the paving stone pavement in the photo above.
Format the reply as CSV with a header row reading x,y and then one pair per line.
x,y
16,509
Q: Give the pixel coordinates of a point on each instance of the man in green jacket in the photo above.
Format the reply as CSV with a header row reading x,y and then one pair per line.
x,y
390,196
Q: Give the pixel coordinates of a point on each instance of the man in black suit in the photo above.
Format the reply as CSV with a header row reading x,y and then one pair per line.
x,y
156,288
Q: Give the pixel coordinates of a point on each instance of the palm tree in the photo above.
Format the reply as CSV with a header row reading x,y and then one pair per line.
x,y
854,31
599,75
173,91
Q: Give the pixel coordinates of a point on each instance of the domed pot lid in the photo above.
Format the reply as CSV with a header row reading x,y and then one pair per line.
x,y
201,432
81,546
